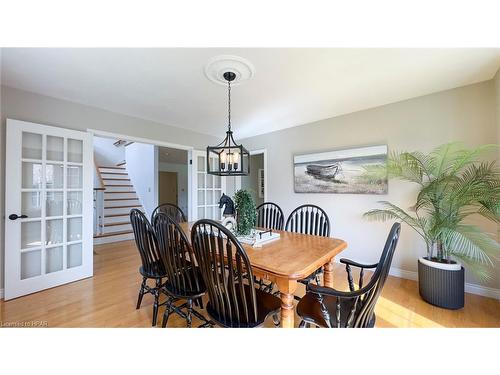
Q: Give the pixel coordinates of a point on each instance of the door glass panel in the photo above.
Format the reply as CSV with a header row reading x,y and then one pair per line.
x,y
209,213
217,180
217,213
74,229
74,258
75,151
54,176
32,146
74,177
201,164
75,202
201,180
53,231
201,212
210,197
31,204
54,259
31,234
31,264
55,148
217,195
54,205
210,181
32,175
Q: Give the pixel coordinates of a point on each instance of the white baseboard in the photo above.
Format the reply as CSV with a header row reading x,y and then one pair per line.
x,y
469,287
1,293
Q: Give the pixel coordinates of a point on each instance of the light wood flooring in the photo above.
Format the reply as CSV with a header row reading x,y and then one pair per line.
x,y
108,300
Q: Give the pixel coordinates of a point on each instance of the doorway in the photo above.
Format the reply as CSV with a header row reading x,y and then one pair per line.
x,y
255,183
167,188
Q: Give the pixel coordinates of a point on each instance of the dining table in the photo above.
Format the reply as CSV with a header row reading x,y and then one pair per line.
x,y
292,257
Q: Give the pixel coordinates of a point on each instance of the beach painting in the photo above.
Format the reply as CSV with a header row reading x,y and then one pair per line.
x,y
351,171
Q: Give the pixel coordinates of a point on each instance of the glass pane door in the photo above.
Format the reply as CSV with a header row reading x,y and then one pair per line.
x,y
209,189
47,232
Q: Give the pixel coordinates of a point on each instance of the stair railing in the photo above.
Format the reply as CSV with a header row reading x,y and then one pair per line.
x,y
99,204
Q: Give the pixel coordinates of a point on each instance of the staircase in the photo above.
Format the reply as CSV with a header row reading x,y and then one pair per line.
x,y
119,199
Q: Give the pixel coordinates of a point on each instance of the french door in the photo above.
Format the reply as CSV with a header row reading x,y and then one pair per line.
x,y
48,203
207,189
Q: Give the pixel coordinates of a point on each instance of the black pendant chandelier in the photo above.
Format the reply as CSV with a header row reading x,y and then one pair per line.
x,y
228,158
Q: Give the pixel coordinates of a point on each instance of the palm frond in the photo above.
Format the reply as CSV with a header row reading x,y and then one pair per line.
x,y
469,241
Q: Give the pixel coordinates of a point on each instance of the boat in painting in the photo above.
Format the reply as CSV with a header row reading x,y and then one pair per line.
x,y
325,171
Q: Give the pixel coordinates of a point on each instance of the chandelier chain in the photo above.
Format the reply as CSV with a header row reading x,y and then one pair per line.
x,y
229,104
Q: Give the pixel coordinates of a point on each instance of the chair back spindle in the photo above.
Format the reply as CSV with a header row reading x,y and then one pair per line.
x,y
177,256
171,210
147,244
270,216
309,219
227,273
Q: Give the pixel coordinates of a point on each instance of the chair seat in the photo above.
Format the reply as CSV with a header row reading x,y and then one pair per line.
x,y
188,291
157,271
267,304
309,309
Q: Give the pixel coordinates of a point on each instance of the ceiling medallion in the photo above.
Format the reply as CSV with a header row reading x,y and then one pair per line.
x,y
219,65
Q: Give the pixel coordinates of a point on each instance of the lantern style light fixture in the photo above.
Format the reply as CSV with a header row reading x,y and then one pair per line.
x,y
228,158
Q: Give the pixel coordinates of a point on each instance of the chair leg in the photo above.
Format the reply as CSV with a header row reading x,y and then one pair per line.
x,y
276,320
166,314
189,313
302,324
200,303
318,280
141,293
155,304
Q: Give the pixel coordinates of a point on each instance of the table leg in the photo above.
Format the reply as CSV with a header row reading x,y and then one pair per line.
x,y
287,289
328,273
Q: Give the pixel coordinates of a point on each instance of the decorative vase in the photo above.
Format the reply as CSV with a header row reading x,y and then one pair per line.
x,y
441,284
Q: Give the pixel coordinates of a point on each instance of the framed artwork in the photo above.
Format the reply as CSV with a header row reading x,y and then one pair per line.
x,y
360,170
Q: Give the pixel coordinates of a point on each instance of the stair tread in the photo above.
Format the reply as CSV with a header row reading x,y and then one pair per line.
x,y
119,233
120,199
115,173
104,167
117,215
119,185
116,179
116,224
119,192
134,205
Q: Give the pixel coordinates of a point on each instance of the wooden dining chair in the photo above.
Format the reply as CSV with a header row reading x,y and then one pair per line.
x,y
184,280
270,216
152,264
328,307
313,220
171,210
233,299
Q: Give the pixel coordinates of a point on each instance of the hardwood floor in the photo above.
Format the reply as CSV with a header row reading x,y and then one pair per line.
x,y
108,300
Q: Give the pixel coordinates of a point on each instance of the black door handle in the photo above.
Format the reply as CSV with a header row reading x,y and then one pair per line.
x,y
15,217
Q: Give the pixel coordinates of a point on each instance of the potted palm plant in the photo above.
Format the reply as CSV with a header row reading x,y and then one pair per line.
x,y
453,185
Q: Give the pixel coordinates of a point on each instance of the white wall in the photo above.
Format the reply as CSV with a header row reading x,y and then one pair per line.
x,y
28,106
497,104
182,182
142,168
464,114
106,153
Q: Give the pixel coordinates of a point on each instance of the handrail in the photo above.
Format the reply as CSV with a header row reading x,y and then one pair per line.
x,y
101,183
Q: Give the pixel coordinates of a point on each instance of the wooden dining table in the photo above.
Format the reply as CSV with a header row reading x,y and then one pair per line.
x,y
292,257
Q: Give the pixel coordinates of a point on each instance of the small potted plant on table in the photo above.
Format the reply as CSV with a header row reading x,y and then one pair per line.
x,y
246,213
453,185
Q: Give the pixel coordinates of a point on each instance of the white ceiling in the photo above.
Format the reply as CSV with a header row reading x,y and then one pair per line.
x,y
172,155
291,86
